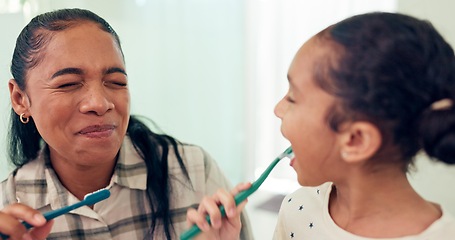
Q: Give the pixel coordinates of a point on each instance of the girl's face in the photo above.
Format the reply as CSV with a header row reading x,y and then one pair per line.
x,y
78,95
303,114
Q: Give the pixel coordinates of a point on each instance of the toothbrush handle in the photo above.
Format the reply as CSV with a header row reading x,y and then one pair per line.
x,y
194,230
26,225
241,196
49,215
89,199
55,213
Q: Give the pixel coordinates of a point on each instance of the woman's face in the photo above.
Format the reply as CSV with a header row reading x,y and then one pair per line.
x,y
303,114
78,95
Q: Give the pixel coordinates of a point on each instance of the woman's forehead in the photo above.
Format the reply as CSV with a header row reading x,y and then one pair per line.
x,y
84,46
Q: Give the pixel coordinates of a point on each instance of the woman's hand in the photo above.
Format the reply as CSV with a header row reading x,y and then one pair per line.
x,y
220,228
12,216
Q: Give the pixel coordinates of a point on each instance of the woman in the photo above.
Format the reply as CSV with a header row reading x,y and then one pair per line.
x,y
71,134
365,96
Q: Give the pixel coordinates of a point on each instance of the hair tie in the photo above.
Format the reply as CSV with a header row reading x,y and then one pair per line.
x,y
442,104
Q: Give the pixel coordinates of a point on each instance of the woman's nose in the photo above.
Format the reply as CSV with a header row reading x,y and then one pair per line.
x,y
96,100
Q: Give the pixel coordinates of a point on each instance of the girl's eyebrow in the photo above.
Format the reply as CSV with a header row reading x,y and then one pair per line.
x,y
291,83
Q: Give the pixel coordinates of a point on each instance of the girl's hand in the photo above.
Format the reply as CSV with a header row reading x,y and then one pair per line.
x,y
220,228
12,216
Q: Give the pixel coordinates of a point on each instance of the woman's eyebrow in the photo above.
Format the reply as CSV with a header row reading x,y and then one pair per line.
x,y
115,70
64,71
79,71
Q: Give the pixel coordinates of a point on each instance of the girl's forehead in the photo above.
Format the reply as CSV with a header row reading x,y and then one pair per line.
x,y
310,53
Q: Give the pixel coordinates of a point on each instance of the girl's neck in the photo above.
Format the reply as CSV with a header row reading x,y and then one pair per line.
x,y
380,204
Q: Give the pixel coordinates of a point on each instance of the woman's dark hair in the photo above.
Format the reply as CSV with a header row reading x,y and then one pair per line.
x,y
24,139
389,69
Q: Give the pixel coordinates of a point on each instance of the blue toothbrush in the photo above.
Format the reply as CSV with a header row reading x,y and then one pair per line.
x,y
194,230
89,199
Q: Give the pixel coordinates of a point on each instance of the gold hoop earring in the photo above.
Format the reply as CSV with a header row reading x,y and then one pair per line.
x,y
23,119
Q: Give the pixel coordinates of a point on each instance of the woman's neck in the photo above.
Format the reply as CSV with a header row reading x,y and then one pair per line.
x,y
81,180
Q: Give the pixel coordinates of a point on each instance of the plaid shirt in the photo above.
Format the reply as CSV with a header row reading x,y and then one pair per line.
x,y
126,213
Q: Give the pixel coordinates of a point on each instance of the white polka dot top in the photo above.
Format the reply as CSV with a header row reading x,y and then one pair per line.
x,y
304,215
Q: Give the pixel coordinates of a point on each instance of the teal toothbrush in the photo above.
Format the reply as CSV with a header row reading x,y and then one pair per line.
x,y
194,230
89,199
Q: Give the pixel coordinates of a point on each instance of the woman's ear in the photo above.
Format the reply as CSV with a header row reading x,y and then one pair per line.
x,y
19,99
359,142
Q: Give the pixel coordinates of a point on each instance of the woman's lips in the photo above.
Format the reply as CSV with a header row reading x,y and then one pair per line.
x,y
97,131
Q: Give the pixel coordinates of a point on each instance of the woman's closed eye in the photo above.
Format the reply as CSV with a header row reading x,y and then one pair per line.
x,y
116,83
68,85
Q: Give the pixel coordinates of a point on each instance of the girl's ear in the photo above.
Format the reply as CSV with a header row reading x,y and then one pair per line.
x,y
19,99
359,142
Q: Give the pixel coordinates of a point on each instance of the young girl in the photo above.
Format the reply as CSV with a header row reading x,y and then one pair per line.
x,y
365,96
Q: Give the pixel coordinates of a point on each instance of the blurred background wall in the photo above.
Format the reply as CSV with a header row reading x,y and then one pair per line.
x,y
209,72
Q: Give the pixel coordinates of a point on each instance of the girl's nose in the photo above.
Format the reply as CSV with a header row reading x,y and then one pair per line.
x,y
280,108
